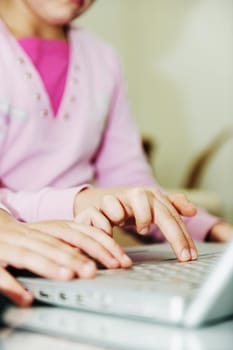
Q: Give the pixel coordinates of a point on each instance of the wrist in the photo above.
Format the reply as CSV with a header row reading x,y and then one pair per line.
x,y
81,200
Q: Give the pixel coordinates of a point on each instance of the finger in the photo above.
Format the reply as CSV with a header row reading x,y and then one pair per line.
x,y
71,232
70,259
24,258
55,234
138,201
176,216
112,208
3,264
92,216
172,230
48,232
102,247
182,204
181,226
52,239
11,288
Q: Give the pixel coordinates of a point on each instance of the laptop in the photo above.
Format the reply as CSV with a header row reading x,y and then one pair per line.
x,y
157,288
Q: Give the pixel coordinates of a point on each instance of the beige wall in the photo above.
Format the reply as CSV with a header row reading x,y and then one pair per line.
x,y
178,59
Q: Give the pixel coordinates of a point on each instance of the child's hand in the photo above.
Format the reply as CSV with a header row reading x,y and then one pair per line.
x,y
221,232
91,240
146,206
37,247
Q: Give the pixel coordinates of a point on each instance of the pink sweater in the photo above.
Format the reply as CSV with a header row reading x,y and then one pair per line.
x,y
45,161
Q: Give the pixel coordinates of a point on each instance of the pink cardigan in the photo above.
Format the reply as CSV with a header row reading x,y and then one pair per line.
x,y
45,161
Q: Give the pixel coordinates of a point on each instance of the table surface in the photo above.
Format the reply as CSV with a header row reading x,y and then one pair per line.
x,y
100,332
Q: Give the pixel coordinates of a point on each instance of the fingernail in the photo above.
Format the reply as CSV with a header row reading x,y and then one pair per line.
x,y
65,273
185,255
27,298
88,268
144,231
193,254
126,259
114,263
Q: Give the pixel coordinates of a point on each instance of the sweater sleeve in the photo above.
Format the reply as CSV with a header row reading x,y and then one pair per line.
x,y
121,161
46,204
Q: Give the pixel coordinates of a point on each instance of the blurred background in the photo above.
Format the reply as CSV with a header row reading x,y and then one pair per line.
x,y
178,63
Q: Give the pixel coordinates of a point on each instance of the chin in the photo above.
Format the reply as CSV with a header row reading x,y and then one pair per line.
x,y
62,18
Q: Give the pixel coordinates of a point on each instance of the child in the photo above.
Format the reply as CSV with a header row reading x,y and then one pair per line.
x,y
64,115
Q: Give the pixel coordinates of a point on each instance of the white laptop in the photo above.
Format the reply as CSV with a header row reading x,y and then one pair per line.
x,y
156,288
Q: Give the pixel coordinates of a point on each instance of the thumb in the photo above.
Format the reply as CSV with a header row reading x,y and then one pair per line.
x,y
92,216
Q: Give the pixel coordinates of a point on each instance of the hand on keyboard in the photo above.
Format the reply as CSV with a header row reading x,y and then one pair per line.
x,y
145,206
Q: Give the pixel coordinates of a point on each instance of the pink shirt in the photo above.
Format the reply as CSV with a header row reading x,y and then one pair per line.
x,y
45,161
51,59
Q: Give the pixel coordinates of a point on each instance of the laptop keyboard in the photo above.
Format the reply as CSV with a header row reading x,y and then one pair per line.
x,y
187,275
